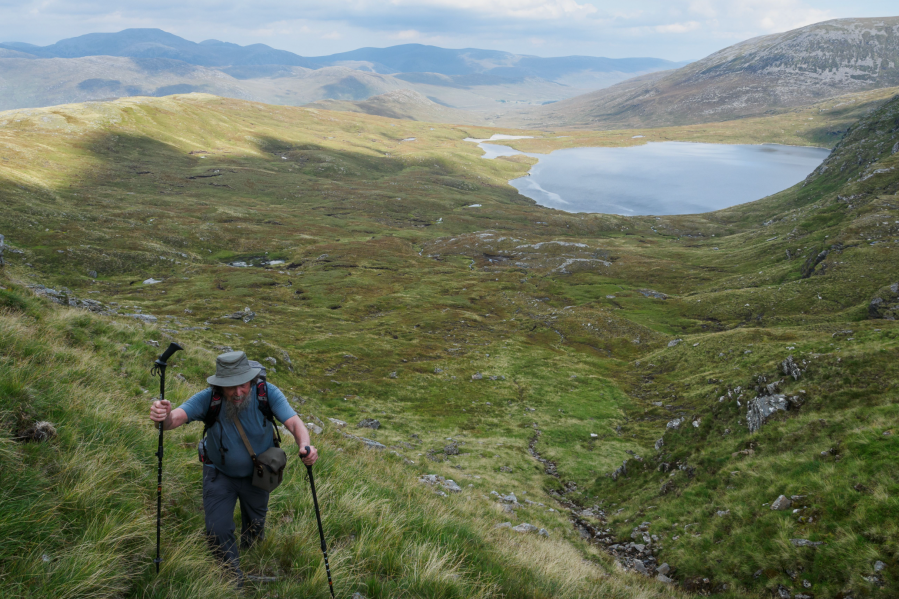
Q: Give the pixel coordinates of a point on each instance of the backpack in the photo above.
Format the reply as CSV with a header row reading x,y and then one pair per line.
x,y
215,408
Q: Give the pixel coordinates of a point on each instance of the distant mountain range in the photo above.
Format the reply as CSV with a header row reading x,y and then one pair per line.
x,y
759,76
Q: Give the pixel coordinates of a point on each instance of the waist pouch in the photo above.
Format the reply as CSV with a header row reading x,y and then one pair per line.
x,y
268,467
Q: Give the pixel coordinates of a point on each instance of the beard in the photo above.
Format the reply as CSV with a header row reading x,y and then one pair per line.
x,y
233,408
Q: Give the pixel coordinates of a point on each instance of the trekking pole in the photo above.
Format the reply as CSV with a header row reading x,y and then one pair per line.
x,y
321,532
159,369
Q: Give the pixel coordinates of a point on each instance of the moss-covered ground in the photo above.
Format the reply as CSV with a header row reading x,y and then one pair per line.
x,y
372,270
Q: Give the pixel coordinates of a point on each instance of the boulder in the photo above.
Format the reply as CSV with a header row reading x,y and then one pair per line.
x,y
621,471
663,569
372,444
675,423
314,428
762,408
781,503
543,532
790,368
477,376
286,357
369,423
885,303
510,498
245,315
148,318
337,423
674,342
640,567
503,525
451,449
659,444
525,528
653,294
663,578
451,486
271,361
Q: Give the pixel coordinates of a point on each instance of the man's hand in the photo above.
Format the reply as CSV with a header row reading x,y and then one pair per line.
x,y
309,455
160,410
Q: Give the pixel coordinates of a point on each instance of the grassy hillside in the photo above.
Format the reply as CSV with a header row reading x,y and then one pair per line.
x,y
77,513
406,281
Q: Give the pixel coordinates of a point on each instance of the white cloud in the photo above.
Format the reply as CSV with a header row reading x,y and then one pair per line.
x,y
757,16
520,9
678,27
406,35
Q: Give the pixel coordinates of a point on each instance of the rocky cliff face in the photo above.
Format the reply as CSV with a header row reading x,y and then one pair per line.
x,y
754,77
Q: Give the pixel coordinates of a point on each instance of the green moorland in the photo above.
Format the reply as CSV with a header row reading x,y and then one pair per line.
x,y
404,280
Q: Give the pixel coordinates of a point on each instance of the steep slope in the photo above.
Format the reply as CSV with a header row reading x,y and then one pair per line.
x,y
78,509
755,77
512,348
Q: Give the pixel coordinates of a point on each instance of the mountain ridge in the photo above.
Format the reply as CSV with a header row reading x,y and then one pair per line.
x,y
750,78
156,43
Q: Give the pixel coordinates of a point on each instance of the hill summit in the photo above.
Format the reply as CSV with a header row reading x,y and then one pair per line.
x,y
751,78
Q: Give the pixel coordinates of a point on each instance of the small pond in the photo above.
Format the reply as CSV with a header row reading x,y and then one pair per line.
x,y
660,178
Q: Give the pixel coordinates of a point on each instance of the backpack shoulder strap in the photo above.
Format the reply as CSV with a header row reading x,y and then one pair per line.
x,y
212,413
266,409
262,400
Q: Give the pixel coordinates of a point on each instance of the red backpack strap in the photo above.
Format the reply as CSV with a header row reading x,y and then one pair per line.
x,y
212,413
266,409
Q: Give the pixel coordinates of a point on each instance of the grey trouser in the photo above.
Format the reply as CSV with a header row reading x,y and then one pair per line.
x,y
220,493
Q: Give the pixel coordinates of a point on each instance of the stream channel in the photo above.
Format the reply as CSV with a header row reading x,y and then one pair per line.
x,y
658,178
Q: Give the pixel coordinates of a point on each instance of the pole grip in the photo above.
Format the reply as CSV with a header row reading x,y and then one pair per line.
x,y
171,349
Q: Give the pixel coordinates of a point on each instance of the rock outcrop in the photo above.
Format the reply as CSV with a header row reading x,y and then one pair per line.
x,y
884,304
762,408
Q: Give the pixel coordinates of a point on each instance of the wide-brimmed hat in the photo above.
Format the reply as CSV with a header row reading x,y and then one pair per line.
x,y
233,369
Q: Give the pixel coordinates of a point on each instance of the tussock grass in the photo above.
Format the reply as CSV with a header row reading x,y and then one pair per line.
x,y
77,515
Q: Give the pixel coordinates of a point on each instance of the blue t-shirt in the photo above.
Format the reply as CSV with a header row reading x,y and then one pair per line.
x,y
223,437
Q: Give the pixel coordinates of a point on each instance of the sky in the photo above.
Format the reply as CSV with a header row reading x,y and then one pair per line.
x,y
671,29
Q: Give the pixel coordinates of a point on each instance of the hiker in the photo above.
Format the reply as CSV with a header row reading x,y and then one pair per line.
x,y
234,391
